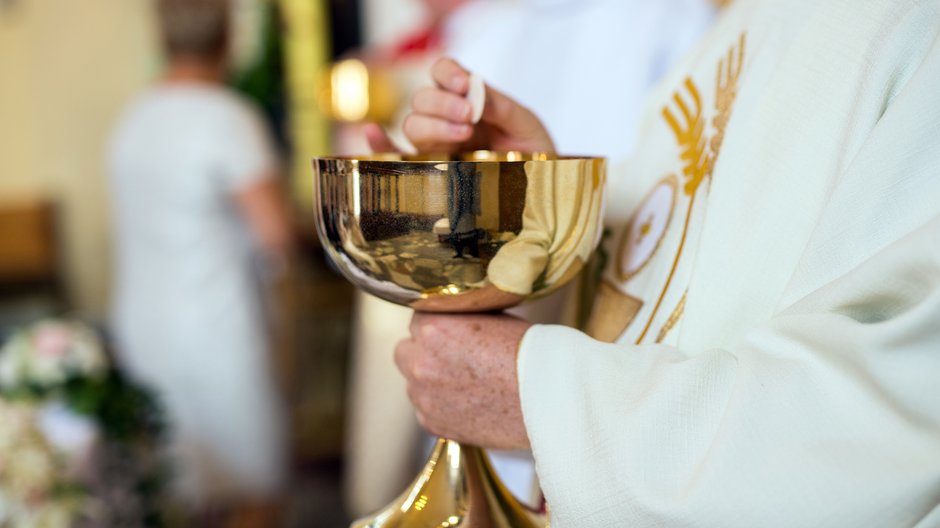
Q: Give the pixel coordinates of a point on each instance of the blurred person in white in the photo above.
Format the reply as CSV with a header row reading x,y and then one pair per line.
x,y
554,55
197,207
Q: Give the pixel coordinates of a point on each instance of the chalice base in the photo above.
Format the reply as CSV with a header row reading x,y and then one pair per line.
x,y
457,488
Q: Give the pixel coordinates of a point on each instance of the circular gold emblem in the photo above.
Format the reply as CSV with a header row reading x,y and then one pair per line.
x,y
646,229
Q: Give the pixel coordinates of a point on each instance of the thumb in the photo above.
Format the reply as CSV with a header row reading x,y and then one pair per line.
x,y
516,121
378,139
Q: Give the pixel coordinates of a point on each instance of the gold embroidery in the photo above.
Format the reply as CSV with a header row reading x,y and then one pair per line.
x,y
645,229
673,319
699,159
672,272
691,137
726,91
625,250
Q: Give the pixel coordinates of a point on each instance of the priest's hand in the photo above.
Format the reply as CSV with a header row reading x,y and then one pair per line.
x,y
441,119
461,375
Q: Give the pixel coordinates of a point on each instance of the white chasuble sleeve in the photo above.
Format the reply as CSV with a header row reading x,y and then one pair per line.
x,y
825,414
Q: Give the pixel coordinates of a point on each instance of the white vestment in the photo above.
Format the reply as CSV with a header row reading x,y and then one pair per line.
x,y
767,336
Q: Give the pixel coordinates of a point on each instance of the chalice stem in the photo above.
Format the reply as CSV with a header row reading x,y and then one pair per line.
x,y
457,488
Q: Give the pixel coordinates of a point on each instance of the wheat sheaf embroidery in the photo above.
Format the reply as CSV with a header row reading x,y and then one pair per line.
x,y
698,152
726,92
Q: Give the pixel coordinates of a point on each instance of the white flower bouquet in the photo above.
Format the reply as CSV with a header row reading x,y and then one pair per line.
x,y
48,353
79,444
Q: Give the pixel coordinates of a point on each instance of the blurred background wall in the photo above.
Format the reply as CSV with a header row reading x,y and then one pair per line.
x,y
66,70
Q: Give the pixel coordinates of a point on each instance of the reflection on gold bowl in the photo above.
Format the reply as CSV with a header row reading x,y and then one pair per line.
x,y
477,232
468,233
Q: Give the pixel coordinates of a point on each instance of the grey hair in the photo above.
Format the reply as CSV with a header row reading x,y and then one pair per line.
x,y
195,28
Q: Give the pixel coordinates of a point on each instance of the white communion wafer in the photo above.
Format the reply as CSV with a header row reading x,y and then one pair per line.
x,y
477,96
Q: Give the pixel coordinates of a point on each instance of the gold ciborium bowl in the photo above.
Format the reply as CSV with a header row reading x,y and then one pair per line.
x,y
472,232
476,232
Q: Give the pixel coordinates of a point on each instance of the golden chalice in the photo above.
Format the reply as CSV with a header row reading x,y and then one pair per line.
x,y
469,233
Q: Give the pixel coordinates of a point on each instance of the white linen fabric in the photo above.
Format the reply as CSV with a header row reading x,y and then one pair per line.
x,y
777,365
187,300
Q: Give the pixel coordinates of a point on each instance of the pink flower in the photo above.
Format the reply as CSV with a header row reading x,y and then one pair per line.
x,y
52,340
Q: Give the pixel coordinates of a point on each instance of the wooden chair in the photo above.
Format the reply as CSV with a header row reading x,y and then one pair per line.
x,y
31,283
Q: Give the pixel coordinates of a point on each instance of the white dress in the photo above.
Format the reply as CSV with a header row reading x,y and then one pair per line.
x,y
187,312
766,345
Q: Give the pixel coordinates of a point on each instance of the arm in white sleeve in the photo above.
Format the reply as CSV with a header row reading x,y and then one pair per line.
x,y
245,153
825,414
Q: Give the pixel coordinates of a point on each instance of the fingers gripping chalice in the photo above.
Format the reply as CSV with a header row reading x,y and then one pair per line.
x,y
474,232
